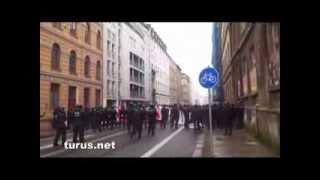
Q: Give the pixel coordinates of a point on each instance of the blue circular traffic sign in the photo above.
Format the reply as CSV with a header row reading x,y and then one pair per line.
x,y
209,77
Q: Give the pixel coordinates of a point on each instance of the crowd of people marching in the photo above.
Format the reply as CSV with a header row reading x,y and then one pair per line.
x,y
137,117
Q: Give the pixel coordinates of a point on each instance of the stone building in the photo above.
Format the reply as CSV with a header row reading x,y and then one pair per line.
x,y
174,82
111,64
134,64
251,74
160,66
186,89
70,67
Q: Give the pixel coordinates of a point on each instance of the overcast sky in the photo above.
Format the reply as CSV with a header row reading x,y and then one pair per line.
x,y
189,44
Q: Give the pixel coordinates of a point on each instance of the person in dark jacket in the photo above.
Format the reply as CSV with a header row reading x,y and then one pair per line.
x,y
86,118
113,119
146,121
220,116
152,120
78,124
130,118
175,117
138,118
186,111
239,116
107,117
205,116
60,125
164,115
214,110
99,118
93,119
194,117
70,118
229,112
122,117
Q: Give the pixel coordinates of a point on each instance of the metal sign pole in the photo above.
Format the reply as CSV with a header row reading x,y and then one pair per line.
x,y
208,79
210,123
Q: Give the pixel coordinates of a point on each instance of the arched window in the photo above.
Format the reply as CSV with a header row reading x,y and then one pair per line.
x,y
98,71
87,33
55,57
87,67
72,62
98,40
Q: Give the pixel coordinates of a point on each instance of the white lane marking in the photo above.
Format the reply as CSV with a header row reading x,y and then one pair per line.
x,y
106,137
51,145
162,143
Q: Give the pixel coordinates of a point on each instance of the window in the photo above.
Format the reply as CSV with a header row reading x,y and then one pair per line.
x,y
113,37
108,88
87,67
72,97
87,33
109,34
98,72
98,40
72,62
54,95
108,67
73,29
108,48
98,95
113,93
112,69
57,25
55,57
87,97
112,51
131,58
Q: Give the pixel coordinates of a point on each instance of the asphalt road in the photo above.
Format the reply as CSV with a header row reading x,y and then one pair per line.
x,y
166,143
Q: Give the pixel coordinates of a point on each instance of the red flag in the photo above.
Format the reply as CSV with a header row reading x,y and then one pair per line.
x,y
158,113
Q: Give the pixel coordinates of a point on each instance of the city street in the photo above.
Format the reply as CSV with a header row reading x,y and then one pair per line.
x,y
166,143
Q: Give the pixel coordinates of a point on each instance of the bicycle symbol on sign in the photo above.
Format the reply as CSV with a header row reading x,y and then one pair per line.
x,y
208,78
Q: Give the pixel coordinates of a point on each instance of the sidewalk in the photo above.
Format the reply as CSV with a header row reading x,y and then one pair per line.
x,y
240,144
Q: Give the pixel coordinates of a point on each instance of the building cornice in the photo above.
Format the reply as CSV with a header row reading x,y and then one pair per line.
x,y
44,74
132,26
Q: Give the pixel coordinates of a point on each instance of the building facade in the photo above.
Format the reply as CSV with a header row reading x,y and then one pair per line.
x,y
186,89
174,82
70,67
251,74
111,65
160,66
134,65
